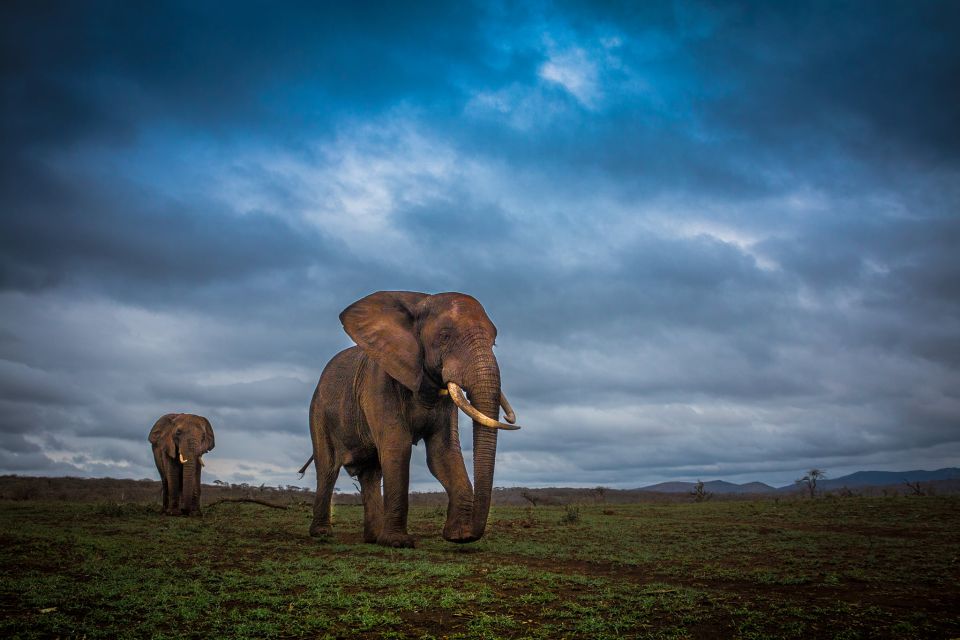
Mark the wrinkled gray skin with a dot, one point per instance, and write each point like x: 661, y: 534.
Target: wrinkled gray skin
x: 375, y: 400
x: 178, y: 436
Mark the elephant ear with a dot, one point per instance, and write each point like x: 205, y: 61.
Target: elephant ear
x: 161, y: 435
x: 207, y: 435
x: 383, y: 325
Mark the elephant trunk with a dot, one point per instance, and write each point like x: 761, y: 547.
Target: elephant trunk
x: 190, y: 458
x: 483, y: 388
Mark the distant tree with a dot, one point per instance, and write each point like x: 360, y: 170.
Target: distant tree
x: 810, y: 479
x: 918, y: 489
x: 526, y: 495
x: 600, y: 494
x: 700, y: 493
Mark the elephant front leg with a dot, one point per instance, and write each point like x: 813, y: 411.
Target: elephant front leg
x: 164, y: 490
x: 171, y: 487
x: 445, y: 462
x: 164, y: 494
x: 176, y: 489
x: 164, y: 468
x: 395, y: 464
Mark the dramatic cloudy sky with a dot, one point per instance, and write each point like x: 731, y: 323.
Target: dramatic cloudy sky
x: 717, y: 242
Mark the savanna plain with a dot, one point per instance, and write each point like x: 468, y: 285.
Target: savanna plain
x: 832, y: 567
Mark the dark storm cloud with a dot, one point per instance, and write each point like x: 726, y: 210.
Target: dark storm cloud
x: 103, y: 69
x: 751, y: 99
x: 889, y: 67
x: 65, y: 230
x: 715, y: 240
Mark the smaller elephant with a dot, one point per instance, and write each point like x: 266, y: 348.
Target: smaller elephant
x: 179, y: 440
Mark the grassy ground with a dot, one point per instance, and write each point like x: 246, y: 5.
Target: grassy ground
x: 829, y: 568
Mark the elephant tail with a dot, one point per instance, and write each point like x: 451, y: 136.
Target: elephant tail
x: 306, y: 464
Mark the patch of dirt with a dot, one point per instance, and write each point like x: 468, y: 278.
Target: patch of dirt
x: 848, y: 529
x: 917, y: 599
x: 433, y: 622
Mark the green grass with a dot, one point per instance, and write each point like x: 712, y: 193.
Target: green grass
x: 842, y: 568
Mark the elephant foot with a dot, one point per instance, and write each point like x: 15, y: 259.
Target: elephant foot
x: 370, y: 537
x: 324, y: 532
x: 459, y: 532
x: 396, y: 540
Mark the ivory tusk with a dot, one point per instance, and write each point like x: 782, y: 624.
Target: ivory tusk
x: 456, y: 394
x: 508, y: 413
x: 183, y: 460
x: 201, y: 462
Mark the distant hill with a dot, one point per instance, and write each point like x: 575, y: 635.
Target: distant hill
x: 119, y: 491
x: 882, y: 479
x: 851, y: 481
x: 714, y: 486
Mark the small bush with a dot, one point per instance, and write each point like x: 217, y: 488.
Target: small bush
x: 571, y: 515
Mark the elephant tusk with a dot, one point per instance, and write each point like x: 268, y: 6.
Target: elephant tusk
x: 508, y: 413
x: 201, y: 462
x: 456, y: 394
x: 183, y: 460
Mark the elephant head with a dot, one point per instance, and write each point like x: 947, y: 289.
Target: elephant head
x: 184, y: 438
x: 436, y: 345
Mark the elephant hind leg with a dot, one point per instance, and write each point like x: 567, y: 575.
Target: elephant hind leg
x: 328, y: 468
x: 372, y: 503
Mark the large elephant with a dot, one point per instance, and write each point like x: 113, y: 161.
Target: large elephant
x: 416, y: 354
x: 179, y: 440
